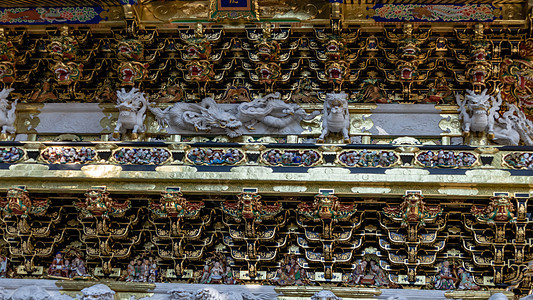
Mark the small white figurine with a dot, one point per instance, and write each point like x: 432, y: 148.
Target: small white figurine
x: 336, y: 116
x: 132, y: 111
x: 478, y: 112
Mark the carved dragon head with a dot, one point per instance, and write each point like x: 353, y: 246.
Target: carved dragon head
x: 215, y: 116
x: 129, y: 100
x: 477, y: 102
x: 336, y: 101
x: 3, y: 97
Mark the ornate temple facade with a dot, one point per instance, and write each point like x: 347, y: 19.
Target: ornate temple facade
x: 320, y: 149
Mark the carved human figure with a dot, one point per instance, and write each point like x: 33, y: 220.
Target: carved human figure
x: 285, y: 275
x: 300, y: 275
x: 444, y: 279
x: 139, y: 271
x: 145, y: 270
x: 380, y: 279
x: 229, y: 277
x: 466, y: 280
x: 132, y: 111
x: 336, y: 116
x: 358, y: 273
x: 7, y: 116
x: 216, y: 273
x: 205, y: 274
x: 3, y: 266
x: 153, y: 272
x: 58, y: 266
x: 130, y: 271
x: 77, y: 267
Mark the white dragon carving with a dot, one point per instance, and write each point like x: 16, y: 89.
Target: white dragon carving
x: 7, y: 116
x: 478, y: 112
x: 210, y: 293
x: 513, y: 127
x: 199, y: 117
x: 325, y: 295
x: 272, y: 112
x: 132, y: 112
x: 336, y: 118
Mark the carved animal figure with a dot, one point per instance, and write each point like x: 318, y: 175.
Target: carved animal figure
x: 478, y: 112
x: 324, y: 295
x: 132, y: 107
x: 7, y: 117
x: 29, y: 292
x: 336, y: 117
x: 272, y: 112
x: 179, y: 294
x: 199, y: 117
x: 498, y: 296
x: 209, y: 294
x: 513, y: 127
x: 98, y: 291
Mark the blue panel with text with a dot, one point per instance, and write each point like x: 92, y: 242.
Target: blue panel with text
x: 233, y: 3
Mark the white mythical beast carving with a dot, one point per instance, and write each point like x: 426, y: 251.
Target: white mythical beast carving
x: 30, y: 292
x: 205, y: 116
x: 325, y: 295
x: 179, y: 294
x: 498, y: 296
x: 208, y: 116
x: 273, y: 112
x: 336, y: 116
x: 513, y: 127
x: 98, y: 291
x: 7, y: 117
x: 209, y: 294
x: 478, y: 112
x: 132, y: 112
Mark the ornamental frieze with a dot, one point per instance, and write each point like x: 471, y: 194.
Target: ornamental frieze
x: 11, y: 155
x: 69, y: 155
x: 446, y: 159
x: 518, y: 160
x: 209, y: 156
x: 278, y: 157
x: 368, y: 158
x: 141, y: 156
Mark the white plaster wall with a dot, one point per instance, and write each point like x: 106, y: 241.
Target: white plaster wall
x: 406, y: 120
x: 81, y: 118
